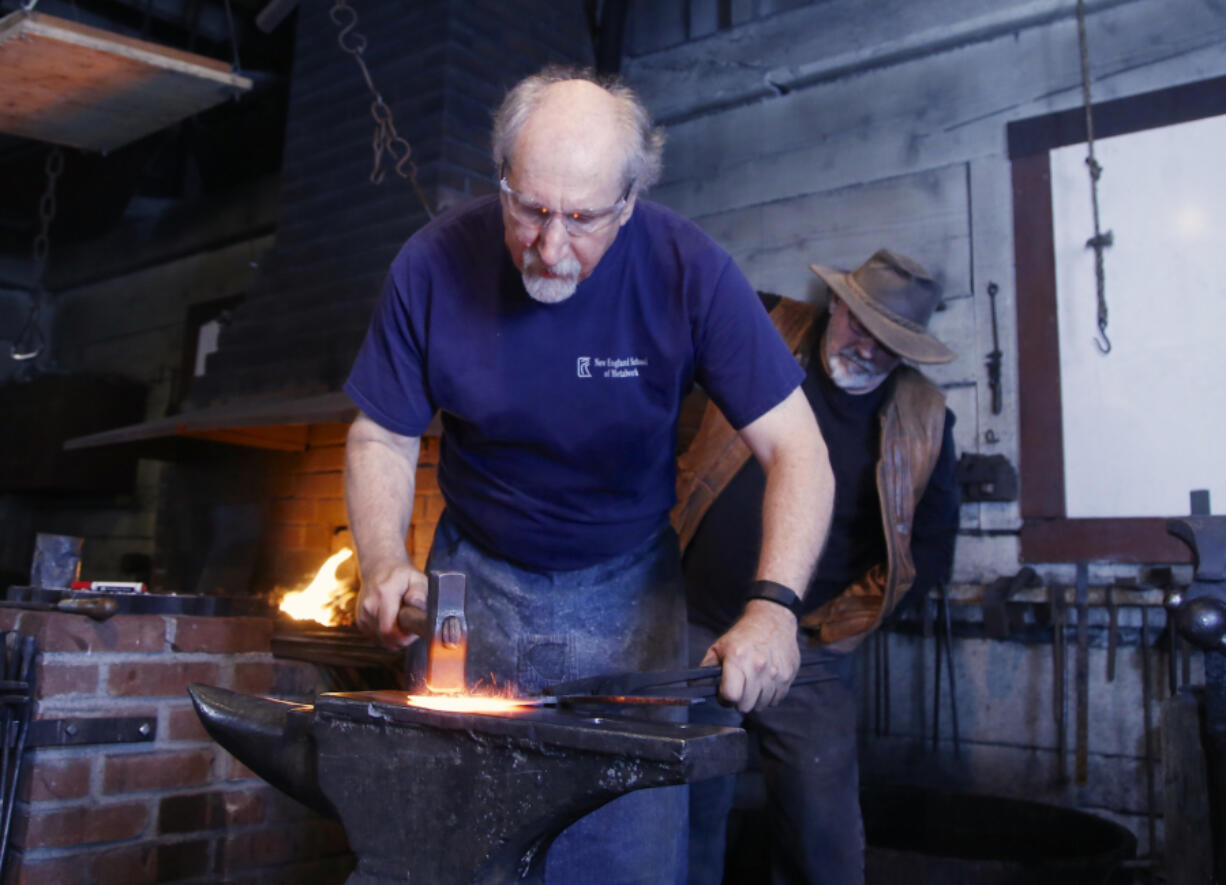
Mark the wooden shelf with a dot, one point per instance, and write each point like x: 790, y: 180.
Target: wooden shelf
x: 70, y: 84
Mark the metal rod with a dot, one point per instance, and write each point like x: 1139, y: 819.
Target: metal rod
x: 27, y: 651
x: 5, y: 720
x: 949, y: 668
x: 1082, y: 676
x: 1059, y: 694
x: 1149, y: 754
x: 885, y: 659
x: 878, y: 687
x: 936, y: 681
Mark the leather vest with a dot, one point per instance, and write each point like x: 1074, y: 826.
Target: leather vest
x: 912, y: 428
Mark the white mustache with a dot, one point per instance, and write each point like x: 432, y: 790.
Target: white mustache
x: 861, y: 364
x: 533, y: 264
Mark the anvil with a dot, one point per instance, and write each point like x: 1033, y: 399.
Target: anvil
x: 456, y: 798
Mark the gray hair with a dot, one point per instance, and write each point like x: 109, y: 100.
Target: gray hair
x: 644, y: 158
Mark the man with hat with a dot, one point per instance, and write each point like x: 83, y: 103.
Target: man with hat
x: 890, y: 441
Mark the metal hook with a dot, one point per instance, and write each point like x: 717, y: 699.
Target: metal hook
x: 1102, y: 331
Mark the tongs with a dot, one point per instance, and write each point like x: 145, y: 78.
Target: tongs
x: 670, y: 687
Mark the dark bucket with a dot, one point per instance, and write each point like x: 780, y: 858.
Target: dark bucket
x: 930, y: 837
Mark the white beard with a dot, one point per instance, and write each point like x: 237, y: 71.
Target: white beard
x: 552, y: 289
x: 850, y: 374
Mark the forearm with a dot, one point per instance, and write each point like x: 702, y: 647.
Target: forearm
x: 759, y: 653
x: 380, y: 479
x: 798, y: 502
x: 796, y: 512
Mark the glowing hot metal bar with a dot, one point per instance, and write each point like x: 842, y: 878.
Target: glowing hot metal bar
x: 470, y: 703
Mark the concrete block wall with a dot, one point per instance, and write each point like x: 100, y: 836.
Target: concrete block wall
x: 177, y: 808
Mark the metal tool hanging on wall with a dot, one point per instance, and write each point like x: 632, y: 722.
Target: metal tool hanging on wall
x: 1101, y: 239
x: 993, y: 358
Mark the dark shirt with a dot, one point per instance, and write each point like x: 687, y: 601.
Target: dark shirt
x: 559, y: 419
x: 722, y: 558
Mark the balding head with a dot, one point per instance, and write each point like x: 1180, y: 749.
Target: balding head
x: 575, y: 136
x: 588, y: 115
x: 576, y: 125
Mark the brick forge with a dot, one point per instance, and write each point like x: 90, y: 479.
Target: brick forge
x: 308, y: 522
x: 174, y: 809
x: 179, y: 808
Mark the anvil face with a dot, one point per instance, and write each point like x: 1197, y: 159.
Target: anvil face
x: 429, y: 796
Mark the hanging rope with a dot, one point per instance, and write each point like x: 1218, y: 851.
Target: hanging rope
x: 1101, y: 240
x: 386, y: 139
x: 29, y: 342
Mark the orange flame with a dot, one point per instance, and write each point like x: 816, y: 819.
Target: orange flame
x: 311, y: 603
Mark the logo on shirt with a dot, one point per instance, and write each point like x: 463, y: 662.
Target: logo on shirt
x: 610, y: 367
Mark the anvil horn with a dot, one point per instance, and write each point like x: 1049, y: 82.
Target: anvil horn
x: 273, y: 738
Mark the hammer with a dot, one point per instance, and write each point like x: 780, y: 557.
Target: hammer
x: 99, y: 608
x: 446, y: 629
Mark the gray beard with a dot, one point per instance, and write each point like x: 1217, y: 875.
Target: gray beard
x: 850, y: 374
x: 549, y: 290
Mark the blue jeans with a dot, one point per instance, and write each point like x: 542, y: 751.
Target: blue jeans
x: 530, y: 629
x: 811, y: 778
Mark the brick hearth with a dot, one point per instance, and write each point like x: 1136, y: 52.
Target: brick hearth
x: 177, y: 808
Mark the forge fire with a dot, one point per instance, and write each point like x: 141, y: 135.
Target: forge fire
x: 326, y: 599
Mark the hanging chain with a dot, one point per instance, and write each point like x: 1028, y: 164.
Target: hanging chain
x: 1101, y: 239
x: 386, y: 139
x: 54, y: 166
x: 29, y: 341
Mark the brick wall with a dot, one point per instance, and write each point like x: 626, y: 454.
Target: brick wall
x: 308, y: 518
x: 175, y: 809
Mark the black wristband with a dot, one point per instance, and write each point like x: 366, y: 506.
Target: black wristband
x: 777, y: 593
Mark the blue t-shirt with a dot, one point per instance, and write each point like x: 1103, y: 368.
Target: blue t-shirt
x: 559, y: 421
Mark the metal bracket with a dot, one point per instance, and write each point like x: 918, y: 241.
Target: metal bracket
x: 96, y: 730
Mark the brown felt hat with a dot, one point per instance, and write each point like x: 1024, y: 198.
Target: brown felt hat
x: 893, y: 297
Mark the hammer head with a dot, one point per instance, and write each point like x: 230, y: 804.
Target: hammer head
x: 447, y: 633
